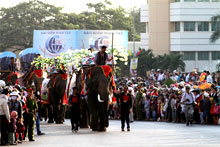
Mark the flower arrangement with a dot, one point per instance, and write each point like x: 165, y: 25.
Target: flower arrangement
x: 78, y: 57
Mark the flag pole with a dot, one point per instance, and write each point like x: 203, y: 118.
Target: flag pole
x: 112, y: 52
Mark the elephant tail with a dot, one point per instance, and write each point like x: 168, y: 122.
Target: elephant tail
x: 99, y: 99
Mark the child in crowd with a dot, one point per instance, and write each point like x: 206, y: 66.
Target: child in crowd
x: 153, y: 107
x: 12, y: 128
x: 20, y: 130
x: 74, y: 101
x: 147, y: 107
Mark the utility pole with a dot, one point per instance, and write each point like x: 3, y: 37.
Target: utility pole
x: 133, y: 33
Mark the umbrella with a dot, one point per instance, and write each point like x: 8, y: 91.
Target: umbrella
x: 204, y: 86
x: 7, y: 54
x: 28, y: 51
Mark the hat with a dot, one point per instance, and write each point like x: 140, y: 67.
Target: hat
x: 14, y: 93
x: 14, y: 114
x: 187, y: 86
x: 2, y: 83
x: 206, y: 94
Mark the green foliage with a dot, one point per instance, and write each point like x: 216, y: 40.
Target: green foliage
x: 147, y: 61
x: 17, y: 23
x: 216, y: 34
x: 169, y: 82
x: 169, y: 62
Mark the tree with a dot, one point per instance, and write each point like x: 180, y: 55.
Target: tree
x: 169, y: 62
x: 146, y: 61
x: 216, y: 24
x: 17, y: 23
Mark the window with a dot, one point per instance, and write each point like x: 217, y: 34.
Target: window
x: 203, y: 55
x: 189, y: 26
x: 177, y: 26
x: 216, y: 26
x: 203, y: 0
x: 177, y: 0
x: 215, y: 55
x: 203, y: 26
x: 189, y: 0
x: 215, y: 0
x: 189, y: 56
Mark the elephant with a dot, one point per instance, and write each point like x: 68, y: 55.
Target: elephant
x: 9, y: 81
x: 57, y: 88
x: 99, y: 89
x: 84, y: 111
x: 32, y: 78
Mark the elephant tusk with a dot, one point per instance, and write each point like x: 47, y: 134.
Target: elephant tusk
x: 99, y: 99
x: 110, y: 98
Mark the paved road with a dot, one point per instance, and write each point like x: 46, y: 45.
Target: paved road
x: 143, y: 134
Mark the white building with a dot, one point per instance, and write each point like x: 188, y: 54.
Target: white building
x: 182, y: 26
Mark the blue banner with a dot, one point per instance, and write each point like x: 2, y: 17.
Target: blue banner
x: 51, y: 43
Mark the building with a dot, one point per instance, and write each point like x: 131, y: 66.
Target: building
x: 182, y: 26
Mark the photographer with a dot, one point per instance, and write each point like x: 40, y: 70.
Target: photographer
x: 188, y: 100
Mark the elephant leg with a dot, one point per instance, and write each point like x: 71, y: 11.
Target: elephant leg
x: 84, y: 120
x: 59, y: 114
x: 103, y: 116
x: 50, y: 113
x: 63, y: 112
x: 94, y: 120
x: 101, y: 121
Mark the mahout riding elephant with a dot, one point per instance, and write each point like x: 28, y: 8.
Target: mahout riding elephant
x: 10, y: 78
x: 57, y: 89
x: 99, y: 87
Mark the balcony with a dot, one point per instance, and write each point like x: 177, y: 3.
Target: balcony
x: 144, y: 40
x: 193, y: 11
x: 144, y: 13
x: 192, y: 41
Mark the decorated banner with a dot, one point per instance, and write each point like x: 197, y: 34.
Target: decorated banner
x: 133, y: 67
x: 97, y: 38
x: 51, y: 43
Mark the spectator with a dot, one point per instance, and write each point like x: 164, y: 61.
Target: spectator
x: 126, y: 105
x: 12, y: 128
x: 74, y: 100
x: 4, y: 116
x: 147, y: 107
x: 187, y: 100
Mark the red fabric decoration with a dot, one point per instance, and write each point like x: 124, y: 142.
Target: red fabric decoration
x: 125, y: 98
x: 64, y: 76
x: 39, y: 73
x: 12, y: 73
x: 74, y: 99
x: 65, y: 101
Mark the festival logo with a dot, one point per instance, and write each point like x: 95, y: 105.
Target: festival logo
x: 99, y: 42
x: 54, y: 44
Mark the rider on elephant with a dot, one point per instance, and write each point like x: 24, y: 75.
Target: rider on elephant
x: 12, y: 66
x: 101, y: 57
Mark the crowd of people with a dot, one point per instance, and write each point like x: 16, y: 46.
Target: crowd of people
x: 181, y: 100
x: 18, y: 114
x: 185, y: 101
